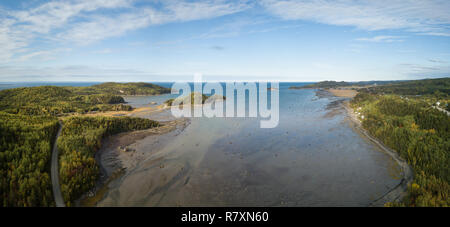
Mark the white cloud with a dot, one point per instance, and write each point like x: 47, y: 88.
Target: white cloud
x: 20, y: 28
x: 439, y: 61
x: 55, y: 14
x: 103, y: 51
x: 187, y: 11
x: 87, y: 21
x: 68, y: 73
x: 243, y: 25
x: 230, y: 29
x: 44, y: 55
x: 11, y: 40
x: 381, y: 38
x: 430, y: 17
x: 101, y: 27
x: 421, y: 70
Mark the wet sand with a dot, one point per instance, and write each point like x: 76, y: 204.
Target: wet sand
x: 163, y: 167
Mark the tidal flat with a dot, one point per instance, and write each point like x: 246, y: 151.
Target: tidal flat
x: 313, y: 158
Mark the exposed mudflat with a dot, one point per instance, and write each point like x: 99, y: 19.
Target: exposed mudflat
x: 313, y: 158
x: 119, y: 154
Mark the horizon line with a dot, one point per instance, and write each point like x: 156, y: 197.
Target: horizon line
x: 213, y: 81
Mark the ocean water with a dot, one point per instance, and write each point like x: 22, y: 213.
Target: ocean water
x: 313, y: 158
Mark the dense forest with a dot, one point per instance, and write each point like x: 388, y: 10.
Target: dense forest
x: 25, y: 151
x: 323, y: 84
x: 52, y: 100
x: 439, y: 88
x: 193, y: 95
x: 80, y: 138
x: 28, y: 127
x: 121, y: 89
x: 403, y: 118
x: 335, y: 84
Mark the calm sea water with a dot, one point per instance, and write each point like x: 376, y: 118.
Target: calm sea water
x: 313, y: 158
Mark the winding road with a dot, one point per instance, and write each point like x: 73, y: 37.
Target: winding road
x: 55, y: 173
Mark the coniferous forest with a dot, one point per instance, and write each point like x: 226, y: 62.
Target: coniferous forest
x: 25, y: 151
x: 29, y: 121
x: 405, y: 117
x: 51, y: 100
x: 80, y: 139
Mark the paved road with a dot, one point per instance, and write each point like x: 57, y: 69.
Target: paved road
x: 55, y: 174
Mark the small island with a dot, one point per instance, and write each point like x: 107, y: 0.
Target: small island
x: 193, y: 96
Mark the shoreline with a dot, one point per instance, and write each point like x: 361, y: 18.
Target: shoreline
x: 400, y: 190
x: 116, y: 154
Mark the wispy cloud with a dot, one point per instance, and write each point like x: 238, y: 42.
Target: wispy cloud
x: 231, y: 28
x: 217, y: 47
x: 424, y: 17
x: 437, y: 61
x: 422, y: 70
x: 102, y: 27
x: 379, y: 39
x: 43, y: 55
x: 55, y: 14
x: 103, y: 51
x: 68, y: 73
x: 242, y: 26
x: 86, y: 21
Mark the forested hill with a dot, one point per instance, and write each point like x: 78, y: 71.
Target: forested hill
x: 415, y: 87
x: 323, y: 84
x: 412, y: 118
x: 335, y: 84
x: 53, y: 100
x: 122, y: 89
x: 28, y: 127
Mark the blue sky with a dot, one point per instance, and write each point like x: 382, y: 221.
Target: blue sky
x: 167, y: 40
